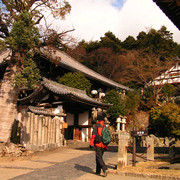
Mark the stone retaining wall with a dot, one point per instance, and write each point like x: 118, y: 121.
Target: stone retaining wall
x: 39, y: 131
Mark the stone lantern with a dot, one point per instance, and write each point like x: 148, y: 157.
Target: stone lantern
x: 123, y: 121
x: 118, y: 121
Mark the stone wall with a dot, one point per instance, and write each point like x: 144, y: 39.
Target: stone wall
x: 142, y: 142
x: 40, y: 131
x: 160, y: 142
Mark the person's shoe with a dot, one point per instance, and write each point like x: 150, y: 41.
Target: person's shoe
x: 105, y: 173
x: 98, y: 174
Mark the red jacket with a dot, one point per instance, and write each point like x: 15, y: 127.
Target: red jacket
x: 97, y: 131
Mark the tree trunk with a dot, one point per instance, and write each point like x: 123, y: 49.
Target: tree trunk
x: 8, y: 104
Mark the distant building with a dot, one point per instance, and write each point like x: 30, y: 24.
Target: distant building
x: 171, y: 76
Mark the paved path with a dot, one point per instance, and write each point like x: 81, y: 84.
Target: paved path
x: 62, y: 164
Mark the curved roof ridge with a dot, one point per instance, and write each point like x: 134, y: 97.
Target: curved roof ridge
x: 53, y: 84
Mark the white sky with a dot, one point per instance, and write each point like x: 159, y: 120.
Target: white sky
x: 91, y: 19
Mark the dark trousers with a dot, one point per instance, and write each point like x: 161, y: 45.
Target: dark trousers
x: 99, y: 160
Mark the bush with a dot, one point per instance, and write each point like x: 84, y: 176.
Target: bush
x: 76, y: 80
x: 132, y: 102
x: 165, y: 120
x: 118, y: 107
x: 168, y: 91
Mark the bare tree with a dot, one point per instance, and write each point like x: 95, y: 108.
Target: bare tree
x: 143, y: 68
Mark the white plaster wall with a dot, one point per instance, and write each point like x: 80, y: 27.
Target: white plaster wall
x: 170, y: 76
x: 84, y: 134
x: 70, y: 119
x: 83, y: 118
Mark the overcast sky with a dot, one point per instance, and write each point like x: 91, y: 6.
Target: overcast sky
x: 92, y: 18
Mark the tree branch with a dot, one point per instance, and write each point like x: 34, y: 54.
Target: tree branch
x: 3, y: 27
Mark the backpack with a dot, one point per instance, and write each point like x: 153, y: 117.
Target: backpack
x: 105, y: 138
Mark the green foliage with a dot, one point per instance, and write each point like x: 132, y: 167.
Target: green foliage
x: 129, y: 43
x: 2, y: 45
x: 158, y: 42
x: 23, y: 35
x: 111, y: 41
x: 91, y: 46
x: 30, y: 75
x: 148, y: 99
x: 108, y: 41
x: 168, y: 90
x: 132, y: 102
x: 118, y: 107
x: 165, y: 120
x: 76, y: 80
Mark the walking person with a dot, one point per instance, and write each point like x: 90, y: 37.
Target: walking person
x: 96, y: 140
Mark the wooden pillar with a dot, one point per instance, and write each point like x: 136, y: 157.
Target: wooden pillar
x: 89, y: 129
x: 76, y: 129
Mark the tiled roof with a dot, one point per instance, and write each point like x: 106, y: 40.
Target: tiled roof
x: 41, y: 111
x: 33, y: 95
x: 70, y: 63
x: 76, y: 94
x: 64, y: 91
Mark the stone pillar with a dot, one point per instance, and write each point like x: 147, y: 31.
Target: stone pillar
x: 54, y: 131
x: 118, y: 121
x: 28, y: 130
x: 57, y: 131
x: 23, y: 117
x: 46, y: 130
x: 172, y: 148
x: 50, y: 126
x: 39, y: 140
x: 43, y: 129
x: 32, y: 128
x: 61, y: 137
x: 122, y: 150
x: 123, y: 121
x: 35, y: 130
x: 150, y: 148
x: 29, y: 142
